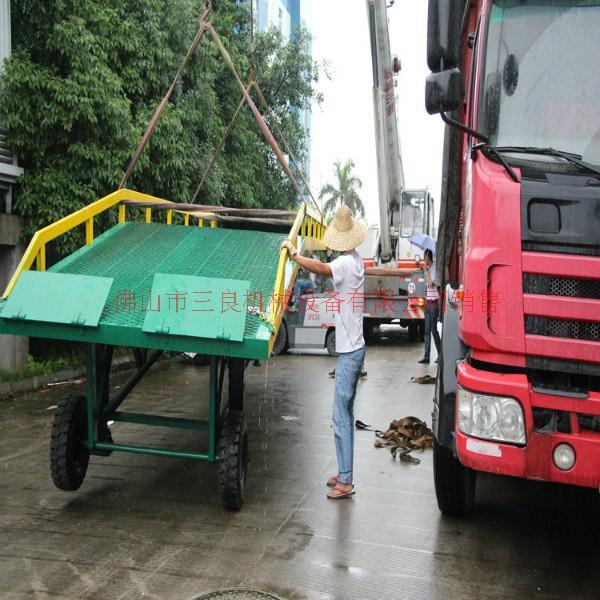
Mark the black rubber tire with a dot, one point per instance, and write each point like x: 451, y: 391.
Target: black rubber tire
x: 413, y: 330
x: 454, y: 483
x: 281, y: 341
x: 369, y: 330
x: 330, y: 343
x: 233, y: 460
x: 69, y: 455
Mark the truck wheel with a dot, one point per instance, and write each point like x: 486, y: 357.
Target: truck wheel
x: 412, y: 331
x: 281, y: 341
x: 454, y: 483
x: 330, y: 343
x: 233, y: 455
x: 69, y: 454
x: 369, y: 330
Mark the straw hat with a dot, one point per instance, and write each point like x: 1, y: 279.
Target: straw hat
x: 344, y: 232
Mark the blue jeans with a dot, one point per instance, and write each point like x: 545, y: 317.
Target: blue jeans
x: 347, y: 371
x: 432, y: 313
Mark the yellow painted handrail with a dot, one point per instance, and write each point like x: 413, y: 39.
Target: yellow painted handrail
x: 36, y: 251
x: 306, y: 225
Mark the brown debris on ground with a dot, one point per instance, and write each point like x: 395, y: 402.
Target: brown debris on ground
x: 404, y: 436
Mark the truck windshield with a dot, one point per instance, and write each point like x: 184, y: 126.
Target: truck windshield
x: 413, y: 213
x: 541, y: 82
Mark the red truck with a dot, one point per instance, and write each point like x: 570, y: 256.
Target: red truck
x: 518, y: 391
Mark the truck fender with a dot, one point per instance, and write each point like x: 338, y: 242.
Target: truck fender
x: 453, y: 350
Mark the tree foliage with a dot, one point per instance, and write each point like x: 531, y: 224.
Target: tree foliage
x: 345, y: 190
x: 86, y: 75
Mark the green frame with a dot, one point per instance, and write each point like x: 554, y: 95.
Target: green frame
x: 102, y: 408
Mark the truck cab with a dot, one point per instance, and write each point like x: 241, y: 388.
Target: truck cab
x: 416, y: 215
x: 519, y: 244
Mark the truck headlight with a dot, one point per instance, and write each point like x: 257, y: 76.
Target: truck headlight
x: 496, y: 418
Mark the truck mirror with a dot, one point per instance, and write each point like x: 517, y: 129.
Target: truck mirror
x: 443, y: 34
x: 443, y: 91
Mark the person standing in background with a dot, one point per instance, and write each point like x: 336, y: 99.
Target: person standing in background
x: 432, y: 309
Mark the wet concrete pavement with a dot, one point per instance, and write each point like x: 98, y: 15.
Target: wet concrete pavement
x: 146, y: 527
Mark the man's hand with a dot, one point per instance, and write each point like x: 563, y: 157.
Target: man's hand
x: 289, y: 247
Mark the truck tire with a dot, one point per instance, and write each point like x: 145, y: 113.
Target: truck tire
x: 413, y: 330
x: 281, y: 341
x: 330, y: 343
x: 454, y: 483
x: 233, y: 456
x: 69, y: 454
x: 369, y: 330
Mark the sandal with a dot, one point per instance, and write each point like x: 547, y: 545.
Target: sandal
x: 339, y: 493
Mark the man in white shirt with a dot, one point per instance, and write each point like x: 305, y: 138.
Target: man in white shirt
x: 344, y: 234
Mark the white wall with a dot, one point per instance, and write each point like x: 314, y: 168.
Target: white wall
x: 4, y: 30
x: 278, y: 16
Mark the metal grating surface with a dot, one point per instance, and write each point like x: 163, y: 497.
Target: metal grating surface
x: 562, y: 328
x: 132, y: 253
x: 548, y: 285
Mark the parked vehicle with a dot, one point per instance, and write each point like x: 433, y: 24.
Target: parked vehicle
x: 518, y: 388
x: 309, y: 323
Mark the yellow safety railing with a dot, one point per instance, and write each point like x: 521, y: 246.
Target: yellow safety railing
x: 306, y: 225
x: 36, y: 251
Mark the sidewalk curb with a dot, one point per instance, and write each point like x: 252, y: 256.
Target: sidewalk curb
x: 29, y: 384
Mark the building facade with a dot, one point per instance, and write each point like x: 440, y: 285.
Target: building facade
x: 13, y: 350
x: 288, y: 16
x: 9, y: 169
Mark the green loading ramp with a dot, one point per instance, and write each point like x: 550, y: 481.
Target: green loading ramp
x: 152, y: 285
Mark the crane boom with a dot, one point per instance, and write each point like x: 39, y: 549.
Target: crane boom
x: 389, y: 158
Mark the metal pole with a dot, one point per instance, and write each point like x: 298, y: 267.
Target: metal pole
x: 220, y: 146
x: 90, y: 367
x: 212, y: 410
x: 259, y: 118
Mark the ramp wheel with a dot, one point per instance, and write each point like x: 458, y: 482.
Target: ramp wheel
x: 233, y: 465
x: 69, y: 455
x: 330, y: 343
x: 454, y: 483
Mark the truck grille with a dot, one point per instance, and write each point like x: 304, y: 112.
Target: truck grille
x: 549, y: 285
x: 562, y: 328
x: 558, y: 248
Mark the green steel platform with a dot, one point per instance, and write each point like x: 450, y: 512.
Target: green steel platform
x: 214, y: 291
x: 157, y: 286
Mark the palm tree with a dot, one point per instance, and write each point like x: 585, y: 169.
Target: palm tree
x: 346, y: 191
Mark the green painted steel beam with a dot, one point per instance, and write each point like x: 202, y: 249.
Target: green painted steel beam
x: 159, y: 421
x: 202, y: 456
x: 131, y: 382
x: 256, y: 348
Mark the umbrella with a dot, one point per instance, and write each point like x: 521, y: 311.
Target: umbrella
x: 423, y: 241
